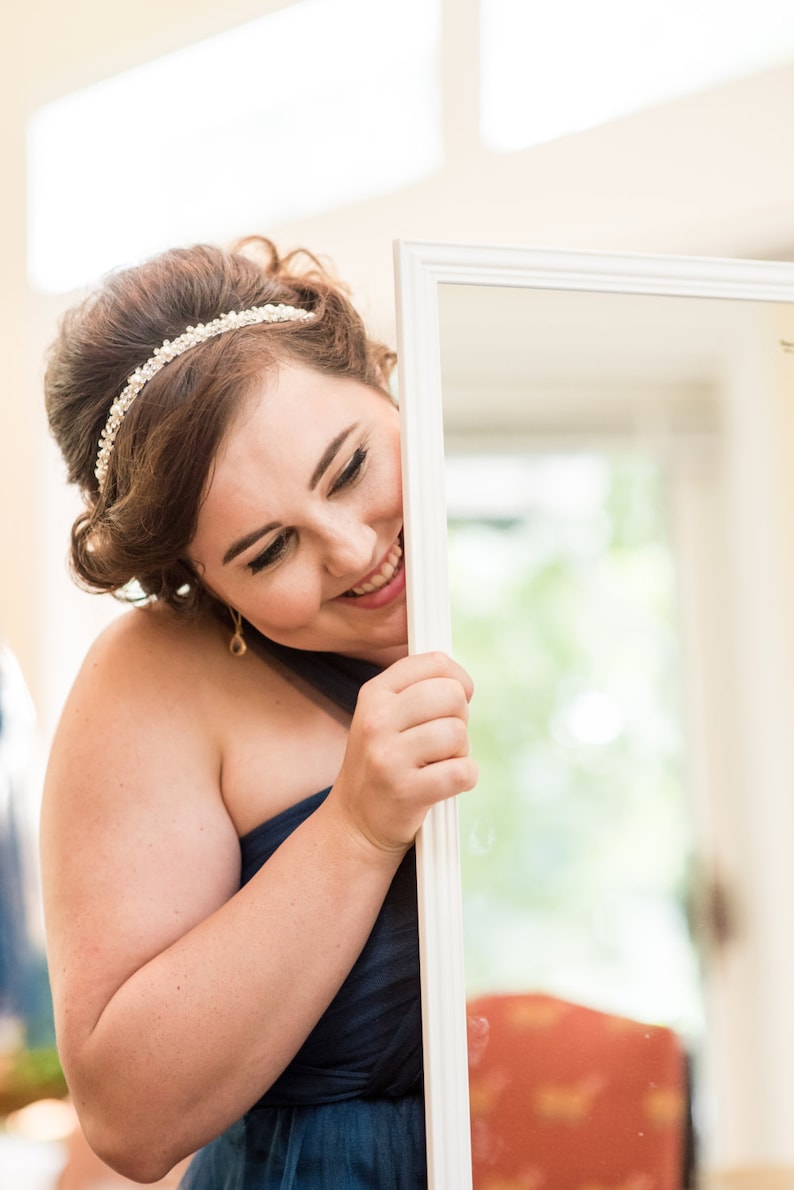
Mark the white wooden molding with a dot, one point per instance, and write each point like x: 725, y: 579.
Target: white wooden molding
x: 420, y: 268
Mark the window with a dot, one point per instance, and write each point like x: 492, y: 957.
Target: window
x: 321, y: 104
x: 577, y: 847
x: 549, y: 70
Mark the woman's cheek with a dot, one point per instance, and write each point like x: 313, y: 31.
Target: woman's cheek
x: 288, y: 604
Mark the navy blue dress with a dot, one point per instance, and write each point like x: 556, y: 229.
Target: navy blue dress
x: 348, y: 1111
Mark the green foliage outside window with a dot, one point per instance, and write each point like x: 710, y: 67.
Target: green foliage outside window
x: 577, y: 843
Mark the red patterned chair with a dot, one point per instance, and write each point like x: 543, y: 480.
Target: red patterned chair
x: 567, y: 1098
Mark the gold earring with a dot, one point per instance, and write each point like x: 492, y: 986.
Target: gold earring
x: 237, y: 645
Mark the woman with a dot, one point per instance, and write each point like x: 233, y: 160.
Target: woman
x: 228, y: 819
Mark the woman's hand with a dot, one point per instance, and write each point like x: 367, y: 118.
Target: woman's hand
x: 408, y: 749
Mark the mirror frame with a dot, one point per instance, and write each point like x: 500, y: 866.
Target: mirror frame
x: 420, y: 268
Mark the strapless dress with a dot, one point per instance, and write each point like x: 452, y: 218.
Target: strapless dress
x: 348, y: 1112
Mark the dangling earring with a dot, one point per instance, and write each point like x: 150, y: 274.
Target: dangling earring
x: 237, y: 645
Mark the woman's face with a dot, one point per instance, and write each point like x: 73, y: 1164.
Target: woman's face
x: 301, y: 529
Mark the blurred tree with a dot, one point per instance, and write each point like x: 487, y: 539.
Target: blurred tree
x: 577, y: 842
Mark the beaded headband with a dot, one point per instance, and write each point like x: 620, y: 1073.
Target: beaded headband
x: 170, y: 349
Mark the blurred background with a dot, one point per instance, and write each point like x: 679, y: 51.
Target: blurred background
x: 339, y: 125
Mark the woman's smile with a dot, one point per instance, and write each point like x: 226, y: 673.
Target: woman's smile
x: 301, y: 526
x: 386, y: 581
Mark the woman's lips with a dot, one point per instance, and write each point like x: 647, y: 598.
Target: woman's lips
x: 381, y: 585
x: 381, y: 576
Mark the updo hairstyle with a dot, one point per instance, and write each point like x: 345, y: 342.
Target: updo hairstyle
x: 131, y: 539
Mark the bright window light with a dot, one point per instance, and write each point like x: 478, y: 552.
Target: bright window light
x: 568, y: 65
x: 319, y: 105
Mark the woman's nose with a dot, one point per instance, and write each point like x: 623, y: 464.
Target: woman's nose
x: 348, y: 548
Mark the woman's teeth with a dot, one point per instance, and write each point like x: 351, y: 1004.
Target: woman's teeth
x: 382, y: 576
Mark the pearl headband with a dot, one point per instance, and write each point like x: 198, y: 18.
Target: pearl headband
x: 170, y: 349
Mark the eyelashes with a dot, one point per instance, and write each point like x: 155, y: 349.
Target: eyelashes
x: 279, y: 546
x: 351, y: 471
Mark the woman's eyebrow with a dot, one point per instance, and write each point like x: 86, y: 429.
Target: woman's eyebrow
x: 244, y: 543
x: 328, y: 456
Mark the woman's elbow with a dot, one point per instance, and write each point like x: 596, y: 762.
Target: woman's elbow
x: 125, y: 1148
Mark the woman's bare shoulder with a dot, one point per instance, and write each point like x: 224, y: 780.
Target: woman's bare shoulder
x: 149, y: 640
x: 159, y: 694
x: 168, y: 651
x: 159, y: 658
x: 143, y: 693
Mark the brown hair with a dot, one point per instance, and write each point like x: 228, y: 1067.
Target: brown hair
x: 136, y: 530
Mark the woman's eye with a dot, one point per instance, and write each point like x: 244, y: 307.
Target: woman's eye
x: 351, y: 471
x: 268, y: 557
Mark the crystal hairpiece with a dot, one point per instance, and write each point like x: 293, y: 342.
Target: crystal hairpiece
x: 170, y: 349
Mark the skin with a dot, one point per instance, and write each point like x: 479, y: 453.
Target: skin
x: 312, y: 536
x: 169, y: 748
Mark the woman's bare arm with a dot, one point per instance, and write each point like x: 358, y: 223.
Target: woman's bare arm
x: 180, y: 997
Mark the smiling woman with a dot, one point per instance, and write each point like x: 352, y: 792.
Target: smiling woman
x: 313, y: 556
x: 227, y: 831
